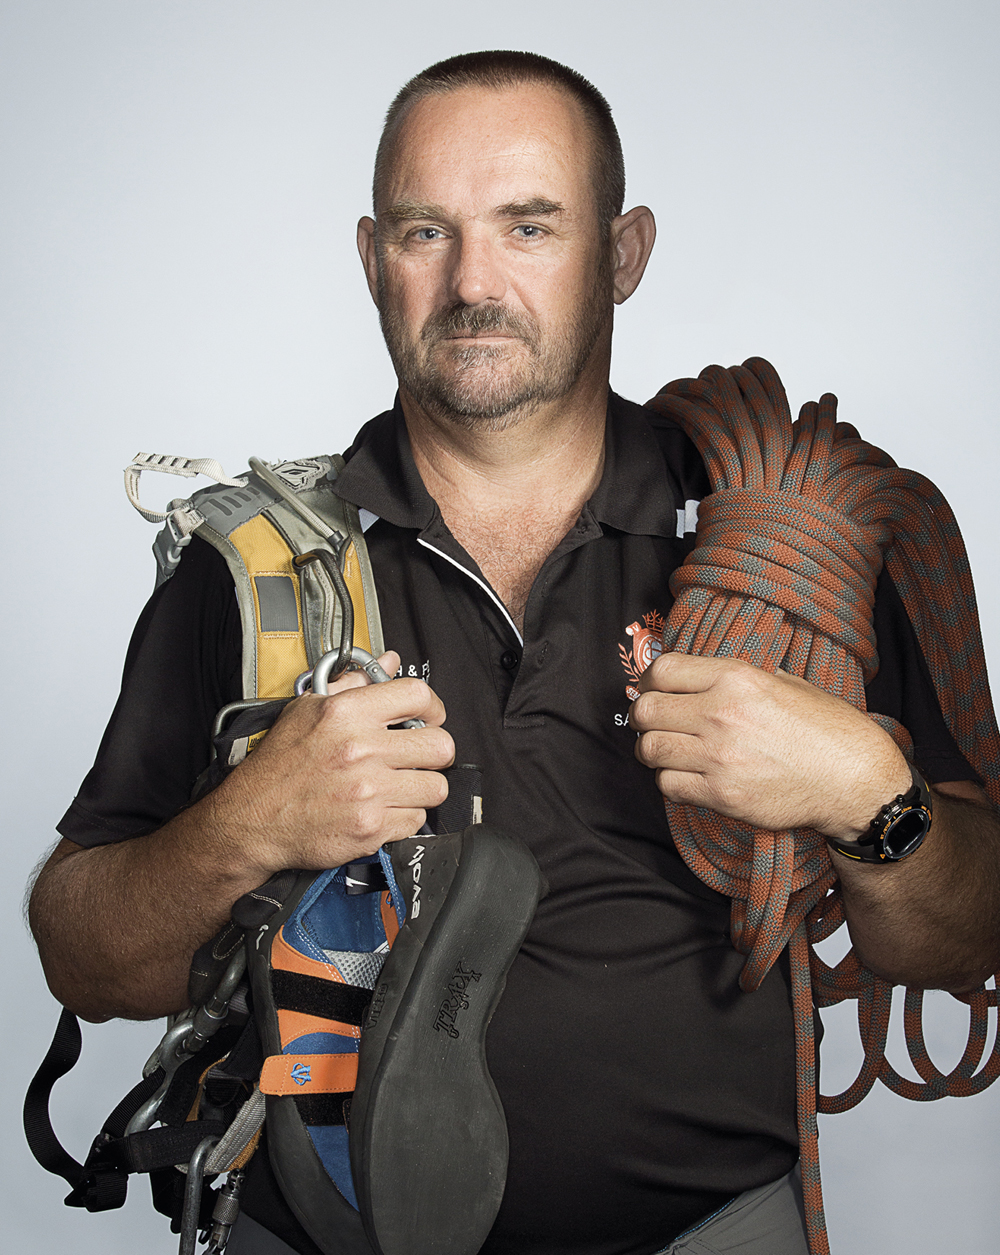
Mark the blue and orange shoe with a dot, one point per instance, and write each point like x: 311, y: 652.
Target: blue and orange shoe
x: 385, y: 1131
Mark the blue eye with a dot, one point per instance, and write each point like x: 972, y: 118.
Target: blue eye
x: 426, y: 234
x: 529, y: 231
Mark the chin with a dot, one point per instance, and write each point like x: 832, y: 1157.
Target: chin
x: 485, y: 391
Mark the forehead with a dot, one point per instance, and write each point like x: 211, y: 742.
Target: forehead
x: 474, y: 147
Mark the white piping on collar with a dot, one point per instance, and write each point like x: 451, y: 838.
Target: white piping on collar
x: 482, y: 584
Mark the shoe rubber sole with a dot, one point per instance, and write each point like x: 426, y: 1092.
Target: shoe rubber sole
x: 428, y: 1133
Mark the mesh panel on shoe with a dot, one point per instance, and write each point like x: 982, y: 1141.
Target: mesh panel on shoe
x: 357, y: 969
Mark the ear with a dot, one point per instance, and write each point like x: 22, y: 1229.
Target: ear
x: 632, y: 237
x: 366, y: 247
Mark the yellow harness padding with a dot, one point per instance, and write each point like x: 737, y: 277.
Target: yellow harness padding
x: 281, y: 655
x: 259, y: 522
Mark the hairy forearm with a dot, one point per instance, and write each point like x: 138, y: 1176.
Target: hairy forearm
x: 933, y: 919
x: 117, y: 925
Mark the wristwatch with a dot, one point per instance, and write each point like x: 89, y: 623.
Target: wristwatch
x: 896, y: 831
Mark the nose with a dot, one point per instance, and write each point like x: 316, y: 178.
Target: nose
x: 478, y: 274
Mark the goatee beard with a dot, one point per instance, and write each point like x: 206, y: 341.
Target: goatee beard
x: 492, y: 386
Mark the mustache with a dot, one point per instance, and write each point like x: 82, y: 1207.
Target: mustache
x: 477, y: 320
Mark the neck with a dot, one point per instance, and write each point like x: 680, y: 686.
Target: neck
x: 559, y: 445
x: 508, y: 497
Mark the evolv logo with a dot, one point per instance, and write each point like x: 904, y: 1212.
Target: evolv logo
x: 416, y: 865
x: 456, y: 1000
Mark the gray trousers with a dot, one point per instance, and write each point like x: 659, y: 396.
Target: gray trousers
x: 765, y: 1221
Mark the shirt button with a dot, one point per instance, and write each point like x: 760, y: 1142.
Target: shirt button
x: 509, y: 659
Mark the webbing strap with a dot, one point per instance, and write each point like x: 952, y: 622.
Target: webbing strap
x: 62, y: 1055
x: 187, y: 519
x: 101, y: 1183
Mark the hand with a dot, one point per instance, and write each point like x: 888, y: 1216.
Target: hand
x: 773, y: 750
x: 332, y: 781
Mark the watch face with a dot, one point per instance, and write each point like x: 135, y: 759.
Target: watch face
x: 905, y: 833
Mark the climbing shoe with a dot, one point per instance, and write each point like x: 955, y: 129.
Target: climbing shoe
x: 428, y: 1135
x: 384, y: 1129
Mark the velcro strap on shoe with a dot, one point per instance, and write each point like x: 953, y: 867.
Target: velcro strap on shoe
x: 323, y: 1109
x: 364, y: 878
x: 309, y: 1074
x: 331, y: 1000
x: 293, y: 1024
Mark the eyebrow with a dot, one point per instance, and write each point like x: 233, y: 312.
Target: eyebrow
x: 417, y: 211
x: 536, y: 207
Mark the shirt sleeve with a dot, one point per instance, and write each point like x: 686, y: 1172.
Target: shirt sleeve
x: 183, y: 664
x: 904, y: 690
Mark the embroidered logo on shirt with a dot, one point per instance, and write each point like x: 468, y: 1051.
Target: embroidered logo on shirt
x: 647, y: 645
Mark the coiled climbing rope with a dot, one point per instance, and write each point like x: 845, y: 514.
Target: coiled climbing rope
x: 788, y: 550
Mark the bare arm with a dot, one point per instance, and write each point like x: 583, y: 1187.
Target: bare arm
x: 778, y: 752
x: 117, y: 925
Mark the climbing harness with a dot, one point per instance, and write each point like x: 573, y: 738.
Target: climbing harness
x: 303, y: 581
x: 789, y: 547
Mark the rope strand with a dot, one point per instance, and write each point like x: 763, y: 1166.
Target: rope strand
x: 789, y: 548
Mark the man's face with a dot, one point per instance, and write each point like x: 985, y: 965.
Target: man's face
x: 494, y: 286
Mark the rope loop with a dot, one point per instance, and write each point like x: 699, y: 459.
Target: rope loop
x: 790, y: 545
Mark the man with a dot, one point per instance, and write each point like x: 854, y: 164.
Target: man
x: 523, y: 520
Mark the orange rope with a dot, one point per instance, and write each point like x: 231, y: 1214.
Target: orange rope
x: 789, y: 547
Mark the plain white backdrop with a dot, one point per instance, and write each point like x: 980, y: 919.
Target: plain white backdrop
x: 181, y: 182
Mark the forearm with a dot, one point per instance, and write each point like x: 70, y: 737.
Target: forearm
x: 933, y: 919
x: 332, y: 781
x: 117, y: 925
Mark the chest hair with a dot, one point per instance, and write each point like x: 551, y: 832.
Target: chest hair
x: 511, y: 548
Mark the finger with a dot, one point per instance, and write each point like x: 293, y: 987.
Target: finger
x: 669, y: 712
x: 415, y: 790
x: 671, y: 750
x: 688, y: 788
x: 402, y: 824
x: 685, y: 673
x: 390, y: 702
x: 406, y: 749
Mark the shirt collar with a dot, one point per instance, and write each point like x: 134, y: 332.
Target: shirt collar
x: 636, y: 493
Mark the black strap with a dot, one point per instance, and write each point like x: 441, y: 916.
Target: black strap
x: 161, y: 1147
x: 101, y: 1183
x: 294, y: 991
x: 364, y: 878
x: 61, y: 1057
x: 327, y: 1109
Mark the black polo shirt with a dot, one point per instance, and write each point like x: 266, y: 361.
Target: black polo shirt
x: 642, y: 1089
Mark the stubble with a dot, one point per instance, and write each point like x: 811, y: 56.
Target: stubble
x: 494, y: 386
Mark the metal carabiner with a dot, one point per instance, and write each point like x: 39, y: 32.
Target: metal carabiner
x: 361, y: 660
x: 185, y: 1037
x: 193, y: 1188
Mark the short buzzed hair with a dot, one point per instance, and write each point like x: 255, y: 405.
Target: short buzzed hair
x: 499, y: 70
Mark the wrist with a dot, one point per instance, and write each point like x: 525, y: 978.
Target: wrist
x: 896, y: 830
x: 866, y: 800
x: 240, y: 847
